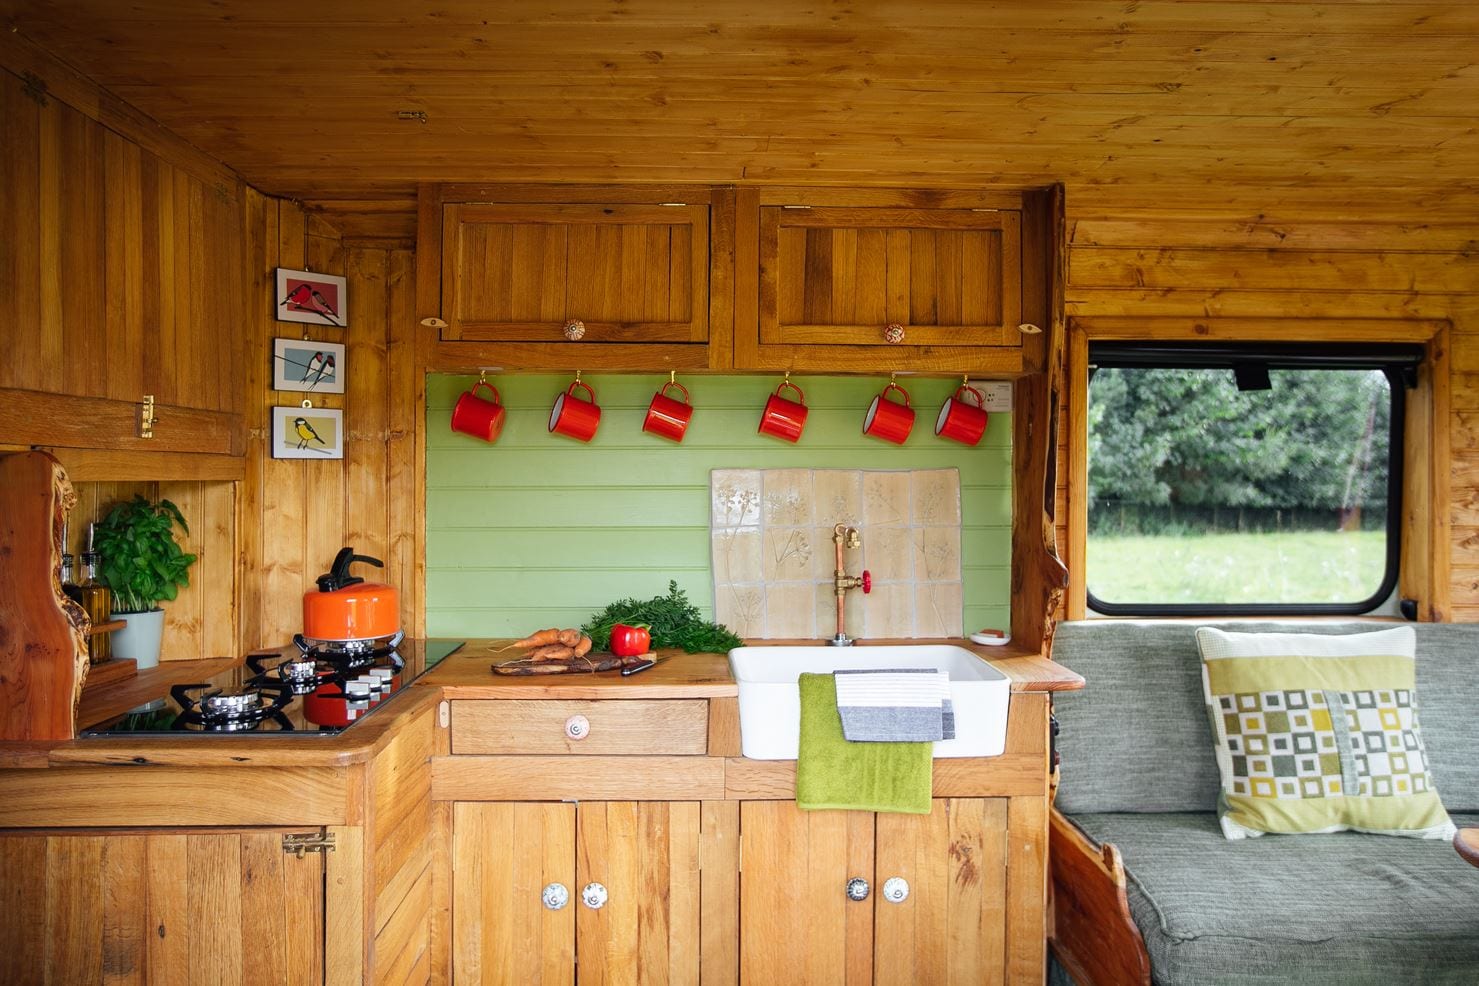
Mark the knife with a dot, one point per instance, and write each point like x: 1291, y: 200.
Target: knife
x: 643, y: 666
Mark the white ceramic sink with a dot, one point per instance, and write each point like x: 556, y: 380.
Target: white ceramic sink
x: 770, y: 702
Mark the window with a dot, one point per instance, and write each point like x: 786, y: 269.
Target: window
x: 1244, y: 480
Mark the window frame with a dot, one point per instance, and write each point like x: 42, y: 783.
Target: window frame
x: 1398, y: 362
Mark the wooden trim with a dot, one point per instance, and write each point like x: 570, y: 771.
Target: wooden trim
x: 539, y: 357
x: 724, y: 727
x: 34, y: 417
x: 1092, y: 932
x: 556, y: 778
x: 345, y: 920
x: 149, y: 796
x: 576, y: 194
x: 92, y: 465
x: 1438, y: 507
x: 722, y: 244
x: 857, y: 197
x: 1274, y: 329
x: 1077, y: 500
x: 747, y: 278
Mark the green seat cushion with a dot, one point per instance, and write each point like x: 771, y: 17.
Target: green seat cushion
x: 1345, y: 909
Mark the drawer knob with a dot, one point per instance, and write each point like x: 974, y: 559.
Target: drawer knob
x: 893, y: 333
x: 555, y: 896
x: 895, y: 889
x: 577, y: 727
x: 575, y: 330
x: 857, y: 889
x: 594, y: 896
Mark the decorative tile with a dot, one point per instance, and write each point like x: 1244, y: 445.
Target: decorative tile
x: 837, y: 497
x: 790, y: 611
x: 737, y: 556
x: 889, y: 610
x: 786, y: 554
x: 885, y: 498
x: 742, y: 609
x: 936, y: 554
x: 734, y: 498
x: 888, y: 552
x: 786, y: 497
x: 935, y: 496
x: 937, y: 610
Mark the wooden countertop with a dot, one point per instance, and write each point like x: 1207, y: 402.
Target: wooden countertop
x: 468, y: 674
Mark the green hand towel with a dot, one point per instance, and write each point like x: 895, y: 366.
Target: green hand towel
x: 833, y: 773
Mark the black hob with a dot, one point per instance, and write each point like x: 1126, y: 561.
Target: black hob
x: 311, y: 689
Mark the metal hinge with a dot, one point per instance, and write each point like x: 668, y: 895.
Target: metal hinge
x: 35, y: 88
x: 311, y: 842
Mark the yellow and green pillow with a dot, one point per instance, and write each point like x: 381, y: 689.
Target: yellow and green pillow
x: 1319, y: 733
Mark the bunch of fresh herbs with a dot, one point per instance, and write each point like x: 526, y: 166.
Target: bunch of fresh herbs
x: 142, y: 561
x: 675, y: 622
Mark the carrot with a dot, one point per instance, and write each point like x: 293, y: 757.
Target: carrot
x: 538, y: 639
x: 570, y: 637
x: 583, y: 646
x: 552, y: 652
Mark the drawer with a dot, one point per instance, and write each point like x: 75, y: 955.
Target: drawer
x: 539, y: 726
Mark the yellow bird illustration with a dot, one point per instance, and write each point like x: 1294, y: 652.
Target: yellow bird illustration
x: 306, y: 433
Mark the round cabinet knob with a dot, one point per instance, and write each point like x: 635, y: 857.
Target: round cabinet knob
x: 594, y: 896
x: 555, y: 896
x: 575, y: 330
x: 893, y: 333
x: 895, y: 889
x: 857, y: 889
x: 577, y: 727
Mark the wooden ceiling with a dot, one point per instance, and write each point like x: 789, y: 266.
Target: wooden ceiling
x: 1338, y: 108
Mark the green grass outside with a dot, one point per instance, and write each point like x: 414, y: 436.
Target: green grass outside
x: 1295, y: 567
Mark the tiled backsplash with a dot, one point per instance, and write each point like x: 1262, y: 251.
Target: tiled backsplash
x: 774, y: 557
x: 538, y: 530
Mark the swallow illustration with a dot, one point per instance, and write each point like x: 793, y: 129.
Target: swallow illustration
x: 314, y: 368
x: 306, y: 433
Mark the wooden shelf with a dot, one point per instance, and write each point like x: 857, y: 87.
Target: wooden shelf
x: 107, y: 627
x: 115, y: 698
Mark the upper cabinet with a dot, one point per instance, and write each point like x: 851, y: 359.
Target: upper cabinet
x: 558, y: 277
x: 878, y: 279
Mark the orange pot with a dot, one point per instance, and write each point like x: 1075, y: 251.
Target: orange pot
x: 346, y: 607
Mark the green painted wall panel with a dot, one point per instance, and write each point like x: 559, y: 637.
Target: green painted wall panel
x: 538, y: 530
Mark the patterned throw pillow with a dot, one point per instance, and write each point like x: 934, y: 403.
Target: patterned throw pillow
x: 1319, y: 733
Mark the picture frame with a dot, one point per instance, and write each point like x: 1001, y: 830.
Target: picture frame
x: 308, y: 366
x: 306, y: 296
x: 307, y: 432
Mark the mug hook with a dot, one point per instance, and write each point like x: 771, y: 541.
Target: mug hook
x: 307, y: 403
x: 787, y: 379
x: 672, y: 376
x: 482, y: 376
x: 577, y: 376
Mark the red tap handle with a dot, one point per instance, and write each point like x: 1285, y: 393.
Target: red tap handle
x: 867, y: 582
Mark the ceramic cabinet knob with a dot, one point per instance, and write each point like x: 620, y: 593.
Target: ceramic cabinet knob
x: 895, y: 889
x: 577, y: 727
x: 555, y: 896
x: 893, y: 333
x: 575, y: 330
x: 594, y: 896
x: 857, y: 889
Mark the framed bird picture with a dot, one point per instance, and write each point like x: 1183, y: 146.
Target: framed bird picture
x: 318, y: 299
x: 308, y: 366
x: 307, y: 433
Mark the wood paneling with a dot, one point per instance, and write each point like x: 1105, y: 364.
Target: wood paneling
x: 219, y: 907
x: 1342, y: 107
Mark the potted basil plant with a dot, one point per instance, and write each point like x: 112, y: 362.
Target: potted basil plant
x: 143, y: 566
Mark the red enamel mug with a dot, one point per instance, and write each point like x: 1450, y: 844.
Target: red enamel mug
x: 576, y: 417
x: 668, y: 417
x: 889, y: 420
x: 962, y: 421
x: 479, y: 416
x: 784, y: 418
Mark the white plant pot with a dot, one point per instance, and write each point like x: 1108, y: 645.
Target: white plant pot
x: 141, y: 638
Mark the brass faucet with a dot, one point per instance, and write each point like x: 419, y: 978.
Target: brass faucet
x: 844, y: 536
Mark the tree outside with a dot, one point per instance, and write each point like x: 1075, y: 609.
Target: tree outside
x: 1199, y: 492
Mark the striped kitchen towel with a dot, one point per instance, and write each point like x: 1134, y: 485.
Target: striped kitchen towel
x: 895, y: 705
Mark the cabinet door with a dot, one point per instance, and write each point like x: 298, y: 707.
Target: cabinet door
x: 842, y: 276
x: 646, y: 856
x: 797, y: 924
x: 503, y: 856
x: 951, y: 928
x: 218, y: 907
x: 629, y: 273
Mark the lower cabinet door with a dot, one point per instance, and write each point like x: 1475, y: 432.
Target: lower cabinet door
x: 797, y: 922
x: 504, y: 858
x: 159, y: 907
x: 637, y: 908
x: 943, y: 918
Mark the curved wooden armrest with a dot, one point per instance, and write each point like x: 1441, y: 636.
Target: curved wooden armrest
x: 1467, y: 844
x: 1094, y: 936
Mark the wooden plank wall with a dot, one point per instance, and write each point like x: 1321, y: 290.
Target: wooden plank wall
x: 296, y: 514
x: 1236, y: 264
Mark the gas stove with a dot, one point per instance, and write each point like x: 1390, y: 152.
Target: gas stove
x: 313, y: 689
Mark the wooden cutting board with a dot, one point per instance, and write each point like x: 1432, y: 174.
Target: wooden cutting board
x: 43, y: 634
